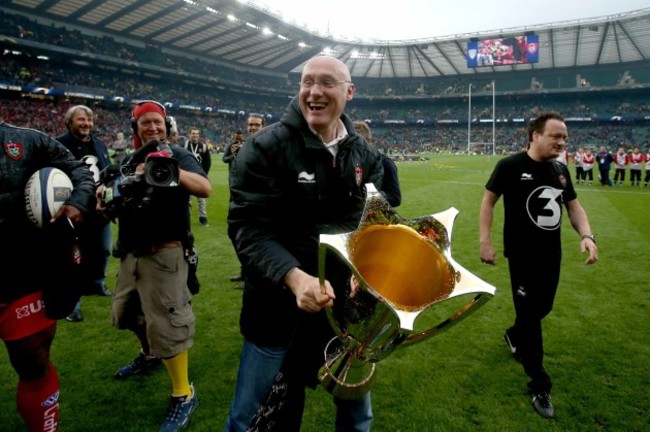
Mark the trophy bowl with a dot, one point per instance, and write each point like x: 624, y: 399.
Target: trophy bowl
x: 398, y: 269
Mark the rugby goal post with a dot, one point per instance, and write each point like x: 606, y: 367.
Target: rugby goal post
x: 469, y: 122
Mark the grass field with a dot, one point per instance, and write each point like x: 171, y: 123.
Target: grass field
x: 597, y: 338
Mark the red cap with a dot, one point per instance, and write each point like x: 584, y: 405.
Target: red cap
x: 139, y: 110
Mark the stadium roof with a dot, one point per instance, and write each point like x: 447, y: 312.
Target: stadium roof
x: 249, y: 36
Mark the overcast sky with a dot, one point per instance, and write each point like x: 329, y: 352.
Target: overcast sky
x: 419, y: 19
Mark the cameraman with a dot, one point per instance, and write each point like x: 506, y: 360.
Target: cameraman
x: 151, y: 296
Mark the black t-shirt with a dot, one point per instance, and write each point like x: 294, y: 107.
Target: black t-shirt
x: 201, y: 153
x: 533, y: 195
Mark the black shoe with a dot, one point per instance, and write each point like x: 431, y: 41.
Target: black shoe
x: 103, y: 291
x: 513, y: 348
x: 543, y: 405
x: 240, y: 286
x: 203, y: 221
x: 140, y: 365
x: 75, y: 316
x: 237, y: 278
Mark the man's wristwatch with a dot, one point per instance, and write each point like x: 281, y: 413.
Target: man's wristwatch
x: 590, y: 237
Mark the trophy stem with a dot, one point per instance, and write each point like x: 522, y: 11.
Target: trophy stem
x: 343, y: 375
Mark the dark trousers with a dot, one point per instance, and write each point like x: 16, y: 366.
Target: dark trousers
x: 580, y: 174
x: 534, y: 284
x: 604, y: 177
x: 619, y: 175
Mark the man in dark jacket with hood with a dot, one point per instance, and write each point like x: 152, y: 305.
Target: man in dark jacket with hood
x: 291, y: 182
x: 96, y: 234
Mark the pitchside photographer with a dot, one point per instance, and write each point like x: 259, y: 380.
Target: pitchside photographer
x: 151, y: 297
x: 201, y: 152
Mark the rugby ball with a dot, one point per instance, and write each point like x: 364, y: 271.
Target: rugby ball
x: 45, y: 192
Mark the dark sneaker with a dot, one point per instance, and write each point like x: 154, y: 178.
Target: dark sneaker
x: 75, y: 316
x: 140, y: 365
x: 203, y: 221
x: 236, y: 278
x: 179, y: 412
x: 543, y: 405
x: 513, y: 348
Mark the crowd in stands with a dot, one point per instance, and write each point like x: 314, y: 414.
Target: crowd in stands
x: 218, y: 129
x: 171, y: 62
x: 507, y: 138
x: 21, y: 27
x: 23, y: 70
x: 422, y: 131
x: 47, y: 116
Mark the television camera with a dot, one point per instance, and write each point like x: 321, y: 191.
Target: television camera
x: 124, y: 188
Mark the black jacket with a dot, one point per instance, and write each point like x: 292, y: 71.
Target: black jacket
x: 26, y: 251
x: 80, y: 149
x: 228, y: 156
x: 286, y: 190
x: 390, y: 185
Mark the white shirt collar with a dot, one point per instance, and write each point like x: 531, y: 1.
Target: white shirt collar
x: 333, y: 146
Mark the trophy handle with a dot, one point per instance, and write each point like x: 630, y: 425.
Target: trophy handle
x: 335, y: 243
x: 455, y: 318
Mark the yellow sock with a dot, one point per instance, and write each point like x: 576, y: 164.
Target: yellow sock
x: 177, y: 369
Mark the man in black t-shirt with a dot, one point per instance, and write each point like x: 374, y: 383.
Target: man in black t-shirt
x: 535, y: 187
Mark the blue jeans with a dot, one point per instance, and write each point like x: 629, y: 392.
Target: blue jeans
x: 106, y: 237
x: 106, y: 242
x: 258, y: 368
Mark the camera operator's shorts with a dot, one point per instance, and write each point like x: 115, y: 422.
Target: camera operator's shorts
x: 152, y: 287
x: 23, y: 317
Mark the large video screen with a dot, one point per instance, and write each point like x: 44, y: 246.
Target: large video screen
x: 503, y: 51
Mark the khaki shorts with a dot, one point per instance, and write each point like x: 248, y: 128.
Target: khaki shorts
x: 153, y: 289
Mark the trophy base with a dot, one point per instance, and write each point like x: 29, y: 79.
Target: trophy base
x: 343, y: 375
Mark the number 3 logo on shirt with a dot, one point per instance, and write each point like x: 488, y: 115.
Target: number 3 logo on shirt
x: 543, y: 208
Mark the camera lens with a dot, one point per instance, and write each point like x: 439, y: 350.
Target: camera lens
x: 161, y: 173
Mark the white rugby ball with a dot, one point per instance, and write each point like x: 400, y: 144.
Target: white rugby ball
x: 45, y: 192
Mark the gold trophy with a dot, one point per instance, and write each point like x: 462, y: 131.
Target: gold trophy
x: 399, y: 269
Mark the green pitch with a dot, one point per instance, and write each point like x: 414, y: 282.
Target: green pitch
x: 597, y: 338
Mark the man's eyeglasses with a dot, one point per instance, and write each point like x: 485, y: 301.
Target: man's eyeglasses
x: 327, y: 83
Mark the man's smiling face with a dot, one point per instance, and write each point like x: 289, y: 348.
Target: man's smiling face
x: 151, y: 126
x: 320, y: 105
x: 81, y: 124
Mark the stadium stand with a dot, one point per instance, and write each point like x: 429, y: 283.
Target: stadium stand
x: 45, y: 68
